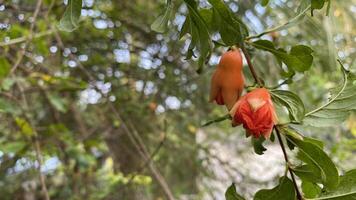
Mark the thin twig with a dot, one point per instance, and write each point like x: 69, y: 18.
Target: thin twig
x: 299, y: 196
x: 25, y: 38
x: 23, y: 50
x: 249, y: 63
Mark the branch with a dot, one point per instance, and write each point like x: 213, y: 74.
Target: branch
x: 252, y: 69
x: 23, y: 50
x: 299, y: 196
x: 25, y: 38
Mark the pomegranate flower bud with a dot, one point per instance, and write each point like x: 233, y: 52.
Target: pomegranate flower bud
x: 227, y: 82
x: 255, y: 111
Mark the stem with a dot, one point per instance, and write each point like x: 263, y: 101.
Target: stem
x: 252, y: 69
x: 299, y: 196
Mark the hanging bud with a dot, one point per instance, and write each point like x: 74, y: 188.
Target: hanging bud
x: 227, y: 82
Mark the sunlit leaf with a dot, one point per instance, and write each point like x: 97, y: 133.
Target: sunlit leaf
x: 310, y: 189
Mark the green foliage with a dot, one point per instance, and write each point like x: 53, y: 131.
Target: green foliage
x: 232, y: 30
x: 310, y: 190
x: 346, y: 189
x: 257, y: 145
x: 160, y: 25
x: 298, y: 59
x: 283, y: 191
x: 318, y: 162
x: 231, y: 193
x: 292, y: 102
x: 200, y: 36
x: 339, y: 106
x: 4, y: 67
x: 70, y: 19
x: 264, y: 2
x: 316, y: 4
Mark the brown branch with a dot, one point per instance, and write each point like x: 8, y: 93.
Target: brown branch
x: 249, y: 63
x: 299, y: 196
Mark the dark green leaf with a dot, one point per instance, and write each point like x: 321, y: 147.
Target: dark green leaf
x: 199, y: 32
x: 283, y: 191
x: 231, y: 29
x: 264, y: 2
x: 257, y: 145
x: 299, y: 58
x: 160, y: 25
x: 292, y: 102
x: 231, y: 193
x: 70, y: 19
x: 310, y: 189
x: 318, y: 162
x: 316, y: 4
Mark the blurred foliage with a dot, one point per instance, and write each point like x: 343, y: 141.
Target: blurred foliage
x: 61, y: 97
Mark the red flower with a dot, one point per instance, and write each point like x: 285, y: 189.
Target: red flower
x: 227, y: 82
x: 256, y: 112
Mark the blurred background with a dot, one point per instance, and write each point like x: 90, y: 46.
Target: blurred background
x: 114, y: 111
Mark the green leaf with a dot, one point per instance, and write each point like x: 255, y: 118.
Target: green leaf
x: 231, y: 28
x: 24, y: 126
x: 306, y: 173
x: 160, y: 25
x: 9, y: 107
x: 346, y: 189
x: 257, y: 145
x: 231, y: 193
x: 4, y: 67
x: 318, y: 162
x: 310, y: 189
x: 316, y: 4
x: 339, y: 106
x: 292, y: 102
x: 199, y: 31
x: 57, y: 102
x: 283, y: 191
x: 299, y: 58
x: 70, y: 19
x: 264, y: 2
x: 12, y: 147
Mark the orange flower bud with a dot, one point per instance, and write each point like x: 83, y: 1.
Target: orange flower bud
x: 255, y: 111
x: 227, y: 82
